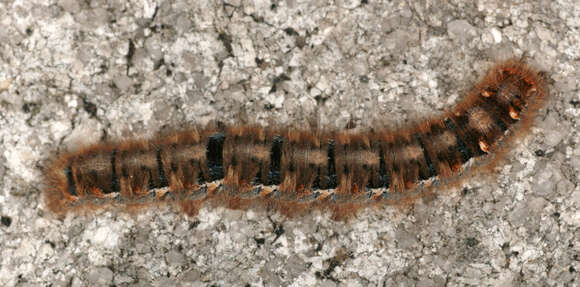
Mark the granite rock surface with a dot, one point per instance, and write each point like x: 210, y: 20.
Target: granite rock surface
x: 77, y: 72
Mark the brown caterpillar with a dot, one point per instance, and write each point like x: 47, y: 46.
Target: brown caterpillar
x: 294, y: 170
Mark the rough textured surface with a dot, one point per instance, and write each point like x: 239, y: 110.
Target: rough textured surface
x: 73, y: 72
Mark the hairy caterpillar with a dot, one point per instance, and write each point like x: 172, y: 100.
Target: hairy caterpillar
x: 296, y: 170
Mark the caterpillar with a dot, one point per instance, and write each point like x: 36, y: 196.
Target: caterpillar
x: 297, y: 170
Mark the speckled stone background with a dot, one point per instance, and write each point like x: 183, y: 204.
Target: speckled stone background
x: 75, y: 72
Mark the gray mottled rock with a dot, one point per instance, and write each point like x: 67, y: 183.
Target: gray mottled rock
x: 75, y: 72
x: 100, y: 276
x: 460, y: 29
x: 174, y: 257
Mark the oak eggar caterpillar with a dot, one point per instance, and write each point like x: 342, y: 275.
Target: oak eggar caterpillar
x: 297, y: 170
